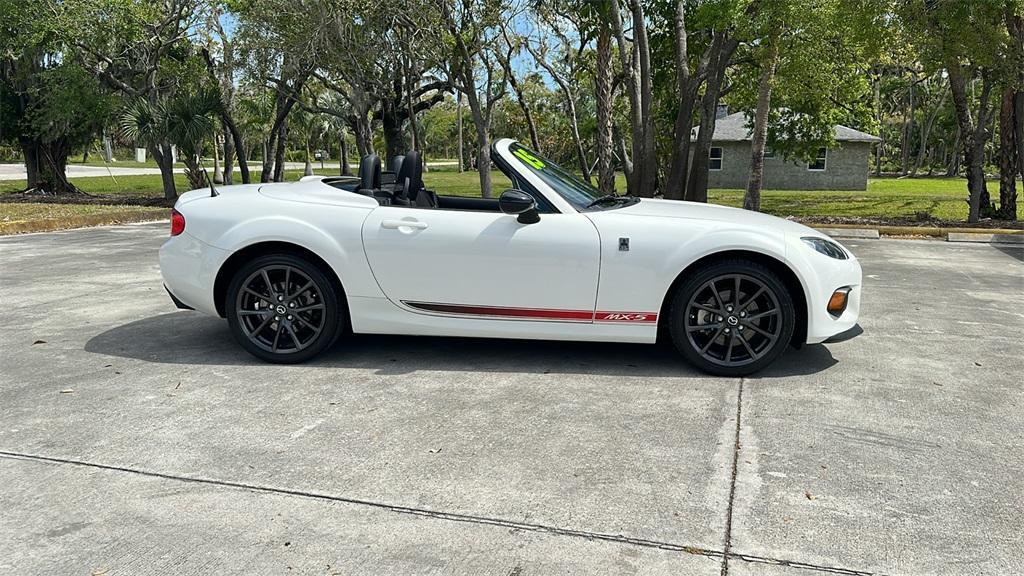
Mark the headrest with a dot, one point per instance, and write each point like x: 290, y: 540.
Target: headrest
x: 369, y: 172
x: 396, y: 163
x: 412, y: 169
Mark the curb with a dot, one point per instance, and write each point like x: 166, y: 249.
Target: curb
x: 1005, y: 236
x: 1011, y: 239
x: 852, y: 233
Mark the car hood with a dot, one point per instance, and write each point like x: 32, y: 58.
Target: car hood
x: 656, y: 208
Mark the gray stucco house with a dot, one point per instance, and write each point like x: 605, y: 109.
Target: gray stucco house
x: 844, y: 167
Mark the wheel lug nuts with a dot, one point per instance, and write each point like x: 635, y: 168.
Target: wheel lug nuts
x: 279, y: 298
x: 291, y: 304
x: 277, y: 317
x: 728, y: 308
x: 741, y: 328
x: 743, y: 314
x: 726, y: 330
x: 289, y: 316
x: 720, y: 318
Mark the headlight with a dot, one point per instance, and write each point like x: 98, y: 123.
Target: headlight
x: 826, y: 247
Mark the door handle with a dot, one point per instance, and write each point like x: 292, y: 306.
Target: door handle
x: 396, y: 224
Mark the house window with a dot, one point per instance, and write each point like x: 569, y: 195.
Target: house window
x: 818, y: 165
x: 715, y: 156
x: 769, y: 152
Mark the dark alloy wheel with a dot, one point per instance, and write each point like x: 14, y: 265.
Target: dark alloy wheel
x: 283, y: 308
x: 733, y: 318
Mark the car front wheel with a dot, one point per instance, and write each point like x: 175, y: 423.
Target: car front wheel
x: 283, y: 308
x: 732, y: 318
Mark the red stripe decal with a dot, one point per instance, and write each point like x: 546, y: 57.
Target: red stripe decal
x: 535, y: 313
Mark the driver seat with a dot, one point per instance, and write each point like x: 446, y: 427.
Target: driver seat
x: 370, y: 180
x: 409, y: 189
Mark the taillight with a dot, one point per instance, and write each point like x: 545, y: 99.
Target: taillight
x: 177, y: 223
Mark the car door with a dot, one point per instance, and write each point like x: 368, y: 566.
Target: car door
x: 484, y: 265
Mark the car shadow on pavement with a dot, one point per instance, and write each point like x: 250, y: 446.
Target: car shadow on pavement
x: 1014, y: 251
x: 192, y: 338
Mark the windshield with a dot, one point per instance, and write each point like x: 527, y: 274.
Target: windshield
x: 569, y: 186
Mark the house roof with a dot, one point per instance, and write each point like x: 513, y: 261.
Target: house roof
x: 733, y: 128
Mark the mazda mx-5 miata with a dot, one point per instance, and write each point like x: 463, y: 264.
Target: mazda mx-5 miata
x: 294, y: 266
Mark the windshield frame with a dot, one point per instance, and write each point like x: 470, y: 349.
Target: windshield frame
x: 569, y: 188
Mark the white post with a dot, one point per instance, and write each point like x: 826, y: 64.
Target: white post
x: 140, y: 155
x: 108, y: 152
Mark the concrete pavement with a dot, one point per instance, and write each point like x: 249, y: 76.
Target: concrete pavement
x: 135, y: 439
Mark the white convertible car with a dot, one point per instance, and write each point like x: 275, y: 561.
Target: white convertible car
x: 293, y: 266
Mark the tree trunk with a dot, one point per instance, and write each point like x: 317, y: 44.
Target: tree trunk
x: 343, y: 168
x: 227, y: 93
x: 1008, y: 156
x: 697, y: 184
x: 973, y: 135
x: 307, y: 169
x: 229, y: 155
x: 46, y: 166
x: 605, y: 101
x: 218, y: 176
x: 648, y: 180
x: 517, y: 88
x: 279, y: 157
x: 411, y: 110
x: 953, y: 168
x: 394, y: 136
x: 638, y: 86
x: 30, y: 151
x: 908, y: 129
x: 620, y: 145
x: 462, y: 155
x: 162, y: 154
x: 483, y: 146
x: 239, y: 142
x: 194, y: 172
x: 362, y: 130
x: 752, y: 198
x: 878, y: 118
x: 675, y: 187
x: 926, y: 130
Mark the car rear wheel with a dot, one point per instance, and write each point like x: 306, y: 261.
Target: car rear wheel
x: 284, y: 309
x: 732, y: 318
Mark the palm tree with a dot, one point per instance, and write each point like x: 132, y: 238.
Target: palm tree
x: 186, y: 121
x: 190, y: 122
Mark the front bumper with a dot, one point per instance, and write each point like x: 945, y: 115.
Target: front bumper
x: 846, y: 335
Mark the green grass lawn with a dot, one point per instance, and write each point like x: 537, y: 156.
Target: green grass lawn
x: 942, y: 198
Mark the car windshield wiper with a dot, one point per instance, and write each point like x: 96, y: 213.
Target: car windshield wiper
x: 607, y: 198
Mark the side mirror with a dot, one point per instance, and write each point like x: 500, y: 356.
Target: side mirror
x: 521, y: 204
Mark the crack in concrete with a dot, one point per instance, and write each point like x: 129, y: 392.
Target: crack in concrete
x: 727, y: 541
x: 454, y: 517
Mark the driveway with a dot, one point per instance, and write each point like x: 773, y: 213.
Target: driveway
x: 135, y: 439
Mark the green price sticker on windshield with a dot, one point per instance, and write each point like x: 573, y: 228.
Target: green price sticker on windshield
x: 530, y: 159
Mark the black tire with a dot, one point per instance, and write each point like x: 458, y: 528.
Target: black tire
x: 732, y: 318
x: 299, y: 314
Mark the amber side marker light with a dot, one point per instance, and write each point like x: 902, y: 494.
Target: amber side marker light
x: 837, y: 303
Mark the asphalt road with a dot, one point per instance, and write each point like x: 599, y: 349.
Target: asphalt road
x: 135, y: 439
